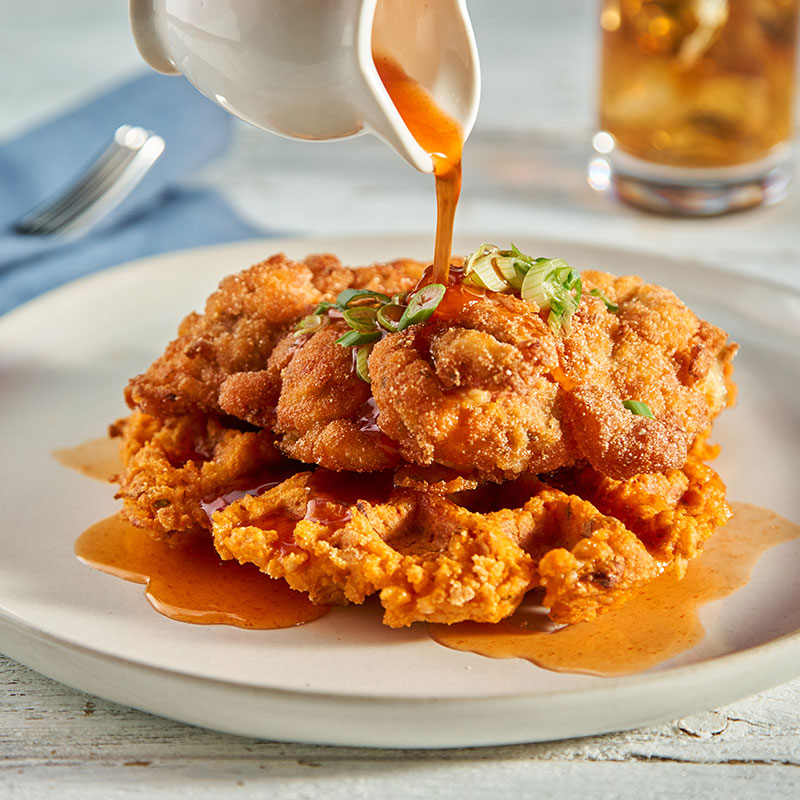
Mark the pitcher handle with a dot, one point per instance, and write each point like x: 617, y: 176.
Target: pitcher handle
x: 145, y: 34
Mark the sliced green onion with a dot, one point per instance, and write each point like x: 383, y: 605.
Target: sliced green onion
x: 639, y: 408
x: 361, y: 318
x: 356, y: 337
x: 541, y: 281
x: 482, y: 272
x: 558, y: 321
x: 422, y: 305
x: 517, y: 253
x: 324, y: 307
x: 389, y: 316
x: 362, y: 362
x: 484, y: 250
x: 554, y: 284
x: 570, y: 280
x: 489, y: 267
x: 309, y: 324
x: 348, y: 296
x: 511, y: 270
x: 609, y: 305
x: 533, y: 288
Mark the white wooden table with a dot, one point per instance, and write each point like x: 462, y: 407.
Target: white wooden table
x: 524, y: 172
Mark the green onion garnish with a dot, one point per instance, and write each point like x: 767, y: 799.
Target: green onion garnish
x: 362, y: 362
x: 361, y: 318
x: 483, y: 272
x: 609, y: 305
x: 422, y: 305
x: 389, y: 316
x: 554, y: 284
x: 357, y: 337
x: 309, y: 324
x: 639, y: 408
x: 348, y: 296
x: 324, y: 307
x: 495, y: 269
x: 549, y: 282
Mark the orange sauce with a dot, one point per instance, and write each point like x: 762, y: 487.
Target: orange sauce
x: 367, y: 423
x: 439, y: 135
x: 97, y: 458
x: 187, y: 581
x: 457, y: 299
x: 657, y: 624
x: 333, y: 494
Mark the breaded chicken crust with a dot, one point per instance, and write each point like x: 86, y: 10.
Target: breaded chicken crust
x: 243, y: 321
x: 434, y: 558
x: 484, y: 387
x: 504, y: 457
x: 490, y: 388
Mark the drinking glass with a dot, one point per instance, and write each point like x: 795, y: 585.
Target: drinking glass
x: 696, y: 103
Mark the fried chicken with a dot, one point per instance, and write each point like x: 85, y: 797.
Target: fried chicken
x: 220, y: 361
x: 490, y: 388
x: 486, y: 386
x: 440, y: 558
x: 497, y: 455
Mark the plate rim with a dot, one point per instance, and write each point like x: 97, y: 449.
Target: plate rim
x: 706, y: 265
x: 517, y: 721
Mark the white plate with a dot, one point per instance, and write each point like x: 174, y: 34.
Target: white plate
x: 345, y: 679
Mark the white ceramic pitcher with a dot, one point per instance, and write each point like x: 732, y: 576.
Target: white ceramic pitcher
x: 304, y: 68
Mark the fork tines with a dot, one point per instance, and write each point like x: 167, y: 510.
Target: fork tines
x: 105, y: 184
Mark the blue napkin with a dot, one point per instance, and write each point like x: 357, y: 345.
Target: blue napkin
x: 159, y: 215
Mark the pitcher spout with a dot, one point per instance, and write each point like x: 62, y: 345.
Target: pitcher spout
x: 434, y: 45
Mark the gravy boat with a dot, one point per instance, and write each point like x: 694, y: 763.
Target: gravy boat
x: 304, y: 68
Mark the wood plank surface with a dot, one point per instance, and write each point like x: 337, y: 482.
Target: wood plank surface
x: 57, y: 742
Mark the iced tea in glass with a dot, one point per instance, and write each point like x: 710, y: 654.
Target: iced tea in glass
x: 696, y: 102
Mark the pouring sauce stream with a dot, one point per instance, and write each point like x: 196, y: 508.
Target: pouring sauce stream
x: 438, y: 134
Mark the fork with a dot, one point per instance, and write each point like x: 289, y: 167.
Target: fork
x: 104, y: 185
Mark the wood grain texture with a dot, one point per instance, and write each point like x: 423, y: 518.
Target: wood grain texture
x: 57, y: 742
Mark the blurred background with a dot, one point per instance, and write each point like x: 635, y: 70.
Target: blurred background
x: 525, y: 162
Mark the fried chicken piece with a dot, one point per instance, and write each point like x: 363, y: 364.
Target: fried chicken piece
x: 611, y: 438
x: 243, y: 321
x: 427, y: 558
x: 323, y: 410
x: 473, y: 394
x: 475, y: 554
x: 669, y: 515
x: 486, y: 386
x: 173, y: 465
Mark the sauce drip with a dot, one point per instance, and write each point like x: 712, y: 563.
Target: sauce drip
x: 187, y: 580
x: 660, y: 622
x: 97, y: 458
x: 234, y: 494
x: 367, y: 423
x: 439, y: 135
x: 332, y: 494
x: 457, y: 299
